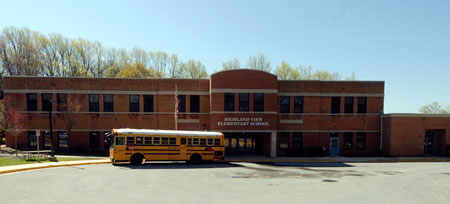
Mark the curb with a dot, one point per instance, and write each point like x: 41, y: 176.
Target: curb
x: 342, y: 161
x: 51, y: 166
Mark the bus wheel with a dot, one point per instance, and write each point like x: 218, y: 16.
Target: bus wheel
x: 136, y: 159
x: 195, y: 159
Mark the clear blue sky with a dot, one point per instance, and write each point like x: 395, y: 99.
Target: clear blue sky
x: 404, y: 43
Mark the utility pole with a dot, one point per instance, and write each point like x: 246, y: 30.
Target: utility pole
x: 176, y: 105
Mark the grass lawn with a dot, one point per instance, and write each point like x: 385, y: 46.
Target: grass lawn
x: 10, y: 162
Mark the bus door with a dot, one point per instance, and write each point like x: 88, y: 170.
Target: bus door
x: 183, y: 147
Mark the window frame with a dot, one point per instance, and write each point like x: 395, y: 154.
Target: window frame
x: 294, y: 139
x: 258, y: 102
x: 284, y: 140
x: 94, y: 106
x: 335, y: 104
x: 285, y: 102
x: 298, y: 104
x: 149, y: 103
x: 362, y: 104
x: 244, y: 105
x: 108, y: 106
x: 194, y: 106
x: 347, y: 140
x: 46, y: 104
x: 32, y: 139
x: 31, y: 103
x: 348, y: 104
x: 182, y: 103
x: 94, y: 139
x: 229, y: 102
x: 60, y: 134
x: 61, y: 101
x: 134, y: 106
x: 361, y: 140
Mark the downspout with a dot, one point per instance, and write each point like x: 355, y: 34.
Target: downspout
x: 381, y: 131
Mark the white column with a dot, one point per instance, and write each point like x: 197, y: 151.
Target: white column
x: 273, y: 144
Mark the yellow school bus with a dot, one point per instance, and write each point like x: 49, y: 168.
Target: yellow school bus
x: 139, y: 145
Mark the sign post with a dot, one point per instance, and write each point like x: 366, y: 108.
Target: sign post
x: 38, y: 133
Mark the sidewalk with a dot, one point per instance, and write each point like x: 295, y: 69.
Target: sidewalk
x: 26, y: 167
x: 105, y: 160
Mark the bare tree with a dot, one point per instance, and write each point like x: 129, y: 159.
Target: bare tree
x: 159, y: 62
x: 259, y: 62
x: 231, y: 64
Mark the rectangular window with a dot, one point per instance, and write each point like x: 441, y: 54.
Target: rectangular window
x: 47, y: 139
x: 31, y: 102
x: 120, y: 141
x: 46, y: 101
x: 32, y: 140
x: 297, y: 140
x: 284, y: 104
x: 210, y: 141
x: 258, y: 102
x: 140, y: 140
x: 202, y: 141
x: 284, y: 140
x: 63, y: 139
x: 195, y: 104
x: 183, y: 141
x: 134, y: 103
x: 348, y: 108
x: 229, y: 102
x: 156, y: 140
x: 216, y: 141
x: 298, y: 104
x: 108, y: 103
x: 244, y: 102
x: 361, y: 140
x: 148, y: 103
x: 61, y: 100
x: 148, y: 140
x: 94, y: 105
x: 362, y: 104
x: 195, y: 141
x: 348, y: 140
x: 181, y: 103
x: 164, y: 140
x: 94, y: 140
x: 189, y: 141
x: 172, y: 140
x: 336, y: 104
x: 130, y: 140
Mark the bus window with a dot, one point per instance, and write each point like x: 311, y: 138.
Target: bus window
x: 148, y: 140
x: 120, y: 141
x: 217, y: 141
x: 156, y: 140
x: 139, y: 140
x: 210, y: 141
x: 202, y: 141
x: 130, y: 140
x: 183, y: 141
x: 173, y: 140
x: 189, y: 141
x: 164, y: 140
x: 195, y: 141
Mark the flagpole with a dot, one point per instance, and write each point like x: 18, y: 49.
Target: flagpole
x: 176, y: 105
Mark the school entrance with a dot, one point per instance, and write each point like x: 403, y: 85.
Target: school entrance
x: 244, y: 143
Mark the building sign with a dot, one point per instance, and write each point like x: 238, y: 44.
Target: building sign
x: 243, y: 122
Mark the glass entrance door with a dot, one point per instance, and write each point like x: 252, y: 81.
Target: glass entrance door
x: 428, y: 144
x: 334, y: 144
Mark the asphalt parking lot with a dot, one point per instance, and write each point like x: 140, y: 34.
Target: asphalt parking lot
x: 234, y: 182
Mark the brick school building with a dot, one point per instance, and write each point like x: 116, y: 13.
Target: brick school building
x: 258, y: 114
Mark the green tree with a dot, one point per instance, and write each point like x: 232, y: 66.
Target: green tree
x: 136, y: 70
x: 259, y: 62
x: 193, y: 70
x: 231, y: 64
x: 286, y: 72
x: 433, y: 108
